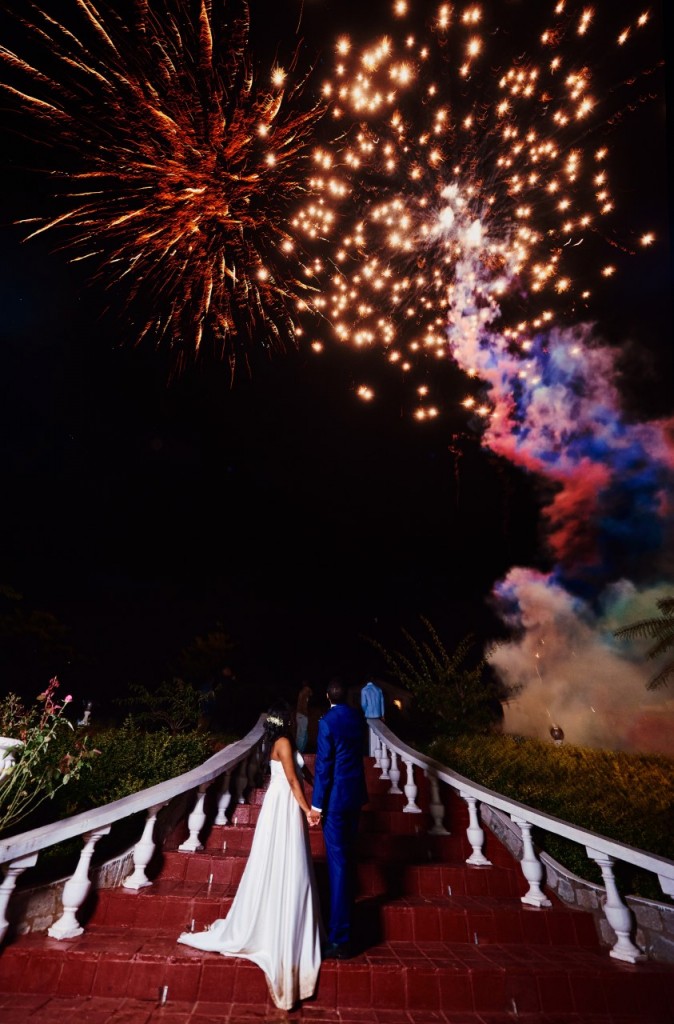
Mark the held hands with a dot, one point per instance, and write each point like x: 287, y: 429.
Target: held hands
x: 313, y: 817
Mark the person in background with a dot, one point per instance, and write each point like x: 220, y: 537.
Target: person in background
x: 302, y: 717
x: 338, y: 795
x: 372, y: 703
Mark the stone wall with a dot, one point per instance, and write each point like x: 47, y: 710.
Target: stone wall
x: 36, y: 909
x: 653, y: 921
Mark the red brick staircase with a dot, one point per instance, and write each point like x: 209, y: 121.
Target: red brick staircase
x: 438, y: 942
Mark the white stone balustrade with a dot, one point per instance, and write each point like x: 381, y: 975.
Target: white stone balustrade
x: 224, y: 800
x: 12, y: 872
x: 617, y: 913
x: 76, y: 889
x: 532, y: 869
x: 411, y: 789
x: 436, y: 806
x: 143, y: 851
x: 240, y: 783
x: 195, y: 822
x: 394, y: 774
x: 384, y: 762
x: 475, y: 833
x: 252, y: 767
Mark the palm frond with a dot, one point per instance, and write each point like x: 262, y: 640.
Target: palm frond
x: 642, y: 630
x: 662, y: 677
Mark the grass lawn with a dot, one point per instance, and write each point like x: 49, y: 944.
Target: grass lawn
x: 628, y: 797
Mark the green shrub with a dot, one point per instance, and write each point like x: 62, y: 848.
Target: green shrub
x: 132, y: 759
x: 129, y: 759
x: 627, y: 797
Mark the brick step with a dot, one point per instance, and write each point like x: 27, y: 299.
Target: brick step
x: 413, y: 847
x: 170, y: 909
x: 388, y: 835
x: 387, y: 816
x: 32, y: 1009
x: 428, y: 978
x: 375, y: 877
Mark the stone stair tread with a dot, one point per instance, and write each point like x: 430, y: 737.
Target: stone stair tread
x: 496, y: 983
x: 105, y: 1010
x: 120, y: 942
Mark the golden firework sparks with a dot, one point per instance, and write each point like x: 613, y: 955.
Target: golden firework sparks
x: 178, y: 165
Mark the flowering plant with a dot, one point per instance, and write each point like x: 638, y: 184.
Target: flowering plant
x: 40, y: 763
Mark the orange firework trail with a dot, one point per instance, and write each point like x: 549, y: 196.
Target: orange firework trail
x: 181, y: 165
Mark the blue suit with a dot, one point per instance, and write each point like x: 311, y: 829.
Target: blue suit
x: 340, y: 792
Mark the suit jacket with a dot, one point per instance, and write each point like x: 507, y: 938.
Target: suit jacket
x: 339, y: 775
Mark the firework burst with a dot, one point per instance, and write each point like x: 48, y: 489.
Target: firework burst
x: 465, y: 203
x: 174, y: 166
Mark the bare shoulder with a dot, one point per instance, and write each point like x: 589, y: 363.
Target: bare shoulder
x: 281, y: 749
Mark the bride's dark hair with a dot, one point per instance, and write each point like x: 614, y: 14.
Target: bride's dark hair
x: 279, y: 723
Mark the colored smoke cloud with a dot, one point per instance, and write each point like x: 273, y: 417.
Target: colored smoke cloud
x: 572, y: 670
x: 607, y: 486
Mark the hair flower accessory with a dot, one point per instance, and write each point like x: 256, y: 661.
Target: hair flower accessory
x: 274, y: 720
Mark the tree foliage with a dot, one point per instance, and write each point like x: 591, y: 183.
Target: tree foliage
x: 174, y: 705
x: 659, y: 629
x: 457, y: 688
x: 206, y: 655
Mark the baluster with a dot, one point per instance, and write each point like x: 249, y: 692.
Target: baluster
x: 532, y: 869
x: 474, y: 833
x: 436, y: 806
x: 240, y: 782
x: 394, y: 773
x: 143, y: 851
x: 251, y: 768
x: 617, y: 913
x: 385, y: 761
x: 377, y: 748
x: 196, y: 822
x: 411, y: 790
x: 76, y: 889
x: 224, y: 800
x: 14, y: 869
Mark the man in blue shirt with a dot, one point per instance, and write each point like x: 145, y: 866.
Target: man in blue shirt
x: 372, y: 703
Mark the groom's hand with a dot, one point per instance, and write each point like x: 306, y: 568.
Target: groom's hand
x: 313, y: 817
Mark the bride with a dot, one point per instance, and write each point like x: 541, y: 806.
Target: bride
x: 274, y: 919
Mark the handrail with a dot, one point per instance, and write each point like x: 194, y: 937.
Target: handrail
x: 604, y: 851
x: 100, y: 817
x: 612, y: 847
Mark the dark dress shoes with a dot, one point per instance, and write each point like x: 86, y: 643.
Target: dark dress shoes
x: 337, y: 951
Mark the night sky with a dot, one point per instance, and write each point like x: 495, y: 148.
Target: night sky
x: 144, y: 509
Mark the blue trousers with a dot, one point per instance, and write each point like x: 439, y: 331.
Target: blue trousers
x: 340, y: 829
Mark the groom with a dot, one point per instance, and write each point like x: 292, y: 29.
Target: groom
x: 338, y: 795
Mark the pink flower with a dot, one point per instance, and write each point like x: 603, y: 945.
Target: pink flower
x: 67, y: 700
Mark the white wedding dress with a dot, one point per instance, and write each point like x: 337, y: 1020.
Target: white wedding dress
x: 274, y: 919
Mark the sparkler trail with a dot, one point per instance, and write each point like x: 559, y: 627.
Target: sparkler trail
x: 173, y: 165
